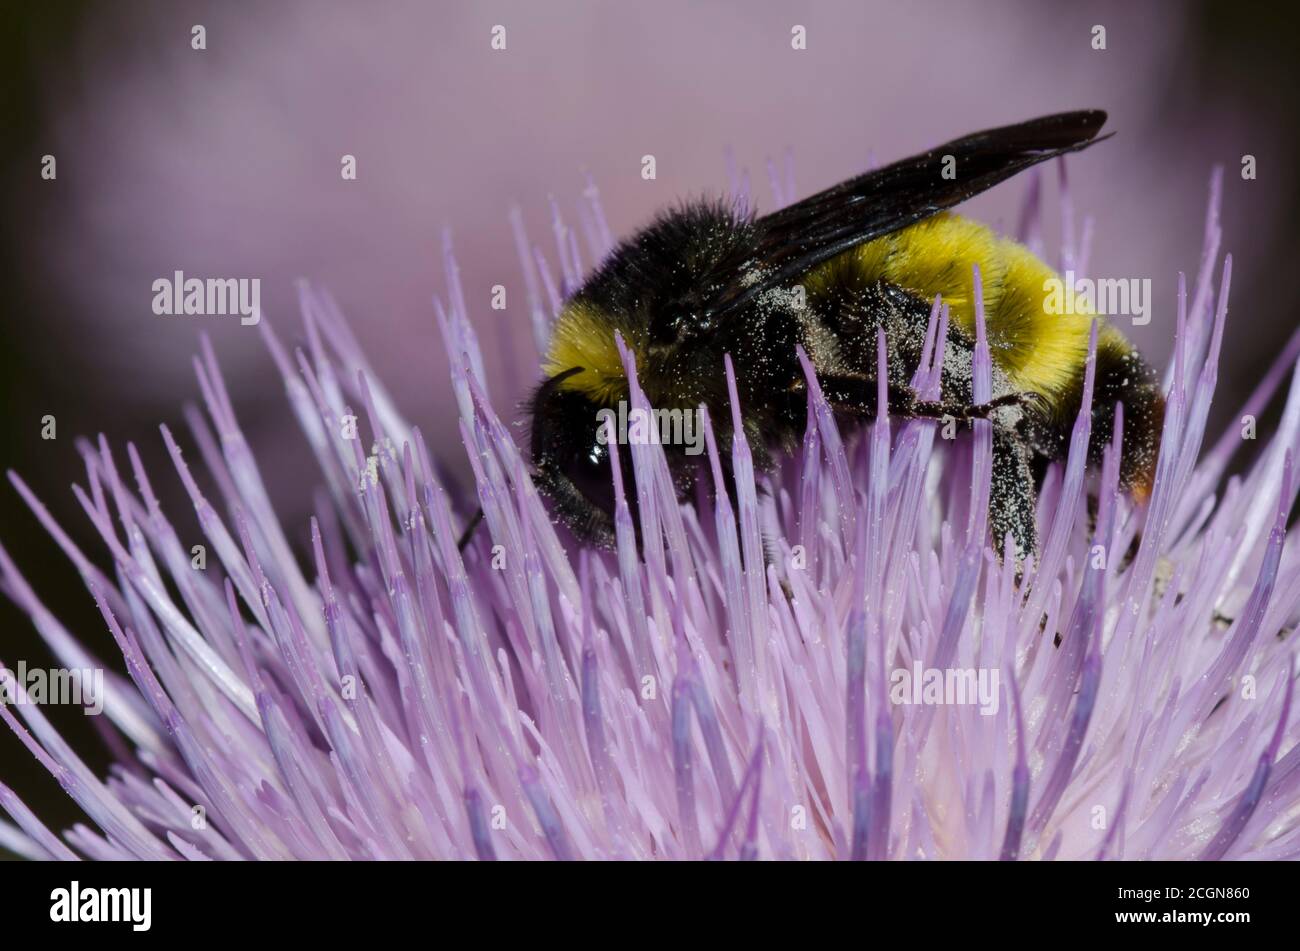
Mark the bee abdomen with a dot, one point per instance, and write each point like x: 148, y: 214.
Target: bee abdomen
x: 1037, y: 351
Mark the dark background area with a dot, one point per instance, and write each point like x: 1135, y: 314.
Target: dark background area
x: 1247, y: 49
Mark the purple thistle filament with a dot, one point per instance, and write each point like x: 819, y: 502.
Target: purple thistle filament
x: 725, y: 690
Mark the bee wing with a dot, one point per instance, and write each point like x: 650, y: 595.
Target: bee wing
x: 891, y: 198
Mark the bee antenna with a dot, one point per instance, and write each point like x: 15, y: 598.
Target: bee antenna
x: 470, y: 526
x: 559, y: 378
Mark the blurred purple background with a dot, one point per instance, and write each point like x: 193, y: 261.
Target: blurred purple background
x: 226, y: 162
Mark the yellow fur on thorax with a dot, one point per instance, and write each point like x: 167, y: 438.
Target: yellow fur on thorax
x: 584, y: 337
x: 1038, y: 350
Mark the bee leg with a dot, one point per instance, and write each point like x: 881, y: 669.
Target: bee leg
x: 858, y: 395
x: 1013, y: 500
x: 848, y: 393
x: 970, y: 411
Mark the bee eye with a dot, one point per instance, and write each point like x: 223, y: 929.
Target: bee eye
x: 592, y: 475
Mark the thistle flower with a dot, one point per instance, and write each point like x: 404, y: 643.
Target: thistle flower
x: 763, y: 678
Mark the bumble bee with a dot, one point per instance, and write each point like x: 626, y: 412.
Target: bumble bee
x: 871, y: 253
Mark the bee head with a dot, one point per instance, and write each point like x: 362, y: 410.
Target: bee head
x: 571, y: 459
